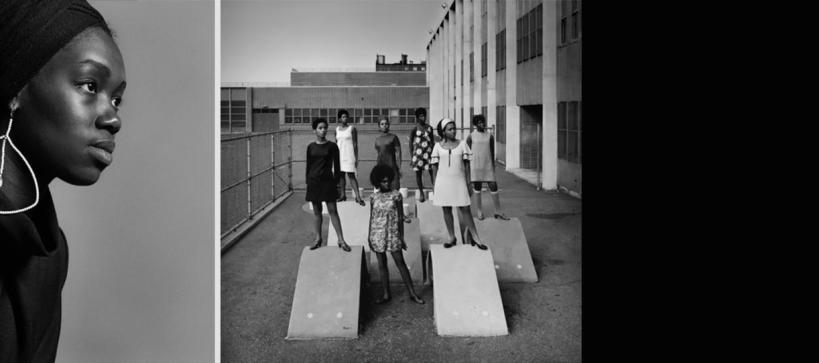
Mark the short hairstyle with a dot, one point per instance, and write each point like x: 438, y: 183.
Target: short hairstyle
x: 342, y: 112
x: 317, y: 121
x: 420, y: 111
x: 379, y: 172
x: 478, y: 117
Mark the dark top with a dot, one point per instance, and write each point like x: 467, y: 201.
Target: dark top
x: 386, y: 146
x: 33, y: 269
x: 322, y: 172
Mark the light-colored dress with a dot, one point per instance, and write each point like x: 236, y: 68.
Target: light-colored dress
x: 344, y: 140
x: 480, y: 167
x: 450, y: 183
x: 384, y: 235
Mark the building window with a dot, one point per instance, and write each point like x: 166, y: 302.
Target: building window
x: 519, y: 35
x: 471, y: 67
x: 539, y: 30
x: 563, y: 20
x: 500, y: 124
x: 332, y: 114
x: 575, y: 20
x: 500, y: 50
x: 484, y: 60
x: 573, y: 133
x: 561, y: 130
x: 288, y: 115
x: 233, y: 112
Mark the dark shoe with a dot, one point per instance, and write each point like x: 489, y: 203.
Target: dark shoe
x: 344, y: 247
x: 501, y: 216
x: 342, y: 199
x: 422, y: 198
x: 450, y: 243
x: 480, y: 246
x: 417, y: 299
x: 360, y: 201
x: 317, y: 245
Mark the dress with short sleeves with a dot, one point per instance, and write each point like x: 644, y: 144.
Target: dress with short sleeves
x: 481, y: 166
x: 384, y: 234
x: 450, y: 183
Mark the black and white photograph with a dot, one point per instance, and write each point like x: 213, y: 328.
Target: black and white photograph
x: 400, y: 180
x: 107, y: 187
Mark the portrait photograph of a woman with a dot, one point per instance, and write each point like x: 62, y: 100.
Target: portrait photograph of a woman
x: 106, y: 179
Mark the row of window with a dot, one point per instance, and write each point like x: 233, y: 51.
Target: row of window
x: 575, y: 21
x: 356, y: 115
x: 569, y: 131
x: 530, y: 34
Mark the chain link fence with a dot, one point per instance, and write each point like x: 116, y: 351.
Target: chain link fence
x: 257, y: 170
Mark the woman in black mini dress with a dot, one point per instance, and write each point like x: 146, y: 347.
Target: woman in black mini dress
x: 322, y: 173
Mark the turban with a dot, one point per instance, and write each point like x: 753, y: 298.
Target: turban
x: 32, y: 31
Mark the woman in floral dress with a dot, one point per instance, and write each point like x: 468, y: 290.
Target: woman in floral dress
x: 386, y: 233
x: 421, y: 142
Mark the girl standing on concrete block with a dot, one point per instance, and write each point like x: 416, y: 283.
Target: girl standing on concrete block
x: 483, y: 165
x: 322, y: 178
x: 62, y: 79
x: 347, y: 139
x: 450, y: 162
x: 386, y: 232
x: 421, y: 141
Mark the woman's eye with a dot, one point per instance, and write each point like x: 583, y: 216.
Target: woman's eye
x: 89, y: 87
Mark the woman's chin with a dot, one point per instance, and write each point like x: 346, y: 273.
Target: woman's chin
x: 83, y: 177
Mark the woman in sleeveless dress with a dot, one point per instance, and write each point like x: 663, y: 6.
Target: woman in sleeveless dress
x: 421, y: 141
x: 483, y: 165
x: 347, y: 140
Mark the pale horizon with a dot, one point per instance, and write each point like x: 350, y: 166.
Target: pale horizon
x: 316, y: 40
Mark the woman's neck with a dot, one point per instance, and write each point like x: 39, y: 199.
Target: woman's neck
x: 18, y: 185
x: 321, y: 140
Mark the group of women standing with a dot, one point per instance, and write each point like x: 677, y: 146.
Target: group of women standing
x: 448, y: 162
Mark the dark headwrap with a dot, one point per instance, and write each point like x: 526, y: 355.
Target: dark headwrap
x: 32, y: 31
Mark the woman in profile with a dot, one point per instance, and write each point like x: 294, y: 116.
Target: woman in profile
x: 62, y: 80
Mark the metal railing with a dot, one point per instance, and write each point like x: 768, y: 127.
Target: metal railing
x: 256, y: 171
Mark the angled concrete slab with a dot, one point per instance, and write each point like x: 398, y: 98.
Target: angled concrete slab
x: 327, y: 296
x: 467, y: 300
x: 355, y: 221
x: 510, y: 251
x: 433, y: 227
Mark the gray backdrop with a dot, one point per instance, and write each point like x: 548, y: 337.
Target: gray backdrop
x: 142, y: 240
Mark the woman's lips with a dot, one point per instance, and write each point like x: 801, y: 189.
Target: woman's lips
x: 102, y: 151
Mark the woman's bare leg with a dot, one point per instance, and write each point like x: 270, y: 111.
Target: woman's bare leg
x: 316, y: 224
x: 398, y: 257
x: 331, y: 208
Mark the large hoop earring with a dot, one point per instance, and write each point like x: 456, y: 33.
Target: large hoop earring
x: 7, y: 139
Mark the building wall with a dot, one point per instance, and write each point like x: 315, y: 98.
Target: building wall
x: 528, y: 89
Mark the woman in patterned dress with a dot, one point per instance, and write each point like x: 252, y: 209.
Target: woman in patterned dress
x: 450, y: 162
x: 483, y: 165
x: 386, y: 233
x: 421, y: 141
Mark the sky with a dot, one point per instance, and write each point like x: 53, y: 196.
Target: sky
x: 262, y: 40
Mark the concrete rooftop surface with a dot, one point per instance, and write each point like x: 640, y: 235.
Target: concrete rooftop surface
x: 544, y: 318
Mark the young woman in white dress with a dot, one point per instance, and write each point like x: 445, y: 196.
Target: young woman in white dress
x: 347, y: 141
x: 450, y: 163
